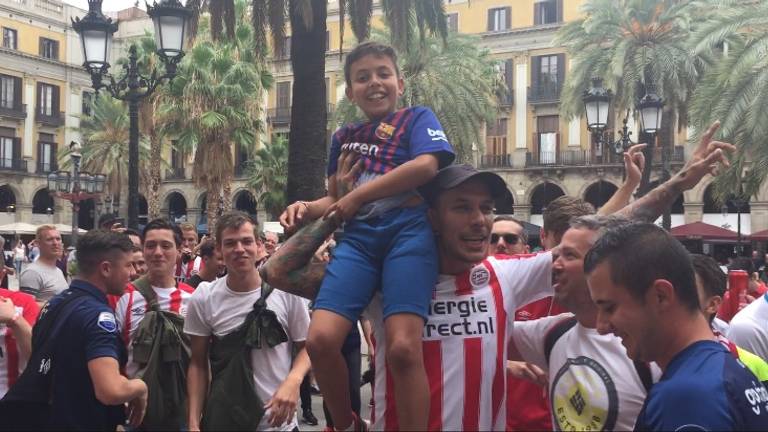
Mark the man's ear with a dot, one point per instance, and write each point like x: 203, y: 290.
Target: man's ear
x: 662, y: 294
x: 348, y: 92
x: 105, y: 269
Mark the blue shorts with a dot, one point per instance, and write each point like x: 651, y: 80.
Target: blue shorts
x: 395, y: 252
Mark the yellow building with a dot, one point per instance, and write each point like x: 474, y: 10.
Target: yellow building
x: 539, y: 153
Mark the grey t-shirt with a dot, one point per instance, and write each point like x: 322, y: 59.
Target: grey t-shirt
x: 42, y: 281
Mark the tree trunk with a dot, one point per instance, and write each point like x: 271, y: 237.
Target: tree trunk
x: 307, y: 140
x: 667, y: 141
x: 211, y: 206
x: 226, y: 196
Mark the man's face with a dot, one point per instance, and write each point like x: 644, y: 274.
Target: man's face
x: 502, y: 232
x: 239, y: 249
x: 462, y: 220
x: 568, y: 279
x: 709, y: 304
x: 270, y: 242
x: 214, y: 263
x: 620, y: 313
x: 188, y: 239
x: 375, y: 85
x: 50, y: 244
x: 160, y: 252
x: 139, y: 264
x: 120, y: 272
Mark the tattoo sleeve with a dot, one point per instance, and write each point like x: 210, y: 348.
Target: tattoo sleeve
x: 649, y: 207
x: 292, y: 268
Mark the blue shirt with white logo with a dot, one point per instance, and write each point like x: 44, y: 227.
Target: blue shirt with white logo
x: 705, y: 388
x: 386, y: 144
x: 90, y: 332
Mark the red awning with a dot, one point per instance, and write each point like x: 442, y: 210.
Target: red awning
x: 759, y: 236
x: 703, y: 231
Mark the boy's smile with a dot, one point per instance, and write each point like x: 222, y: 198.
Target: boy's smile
x: 375, y: 86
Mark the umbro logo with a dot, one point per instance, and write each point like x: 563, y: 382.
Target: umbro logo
x: 138, y: 310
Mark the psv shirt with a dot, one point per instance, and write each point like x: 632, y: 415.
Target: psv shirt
x: 465, y: 343
x: 11, y: 363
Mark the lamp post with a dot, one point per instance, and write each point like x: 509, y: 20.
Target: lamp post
x: 170, y: 20
x: 75, y: 187
x: 739, y: 201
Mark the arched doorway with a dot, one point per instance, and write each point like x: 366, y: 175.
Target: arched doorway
x: 506, y: 204
x: 7, y: 199
x: 42, y: 203
x: 246, y: 202
x: 599, y: 193
x: 177, y: 207
x: 542, y: 195
x: 86, y: 216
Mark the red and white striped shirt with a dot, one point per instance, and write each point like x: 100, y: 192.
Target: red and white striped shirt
x: 465, y: 343
x: 132, y: 306
x: 188, y: 269
x: 11, y: 363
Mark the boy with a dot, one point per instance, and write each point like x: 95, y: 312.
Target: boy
x: 387, y: 242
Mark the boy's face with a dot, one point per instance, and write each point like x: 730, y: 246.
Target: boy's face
x: 375, y: 85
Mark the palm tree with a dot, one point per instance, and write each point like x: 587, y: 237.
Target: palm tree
x: 268, y: 174
x: 735, y: 88
x: 456, y: 79
x: 105, y: 144
x: 634, y: 46
x: 308, y: 138
x: 213, y: 105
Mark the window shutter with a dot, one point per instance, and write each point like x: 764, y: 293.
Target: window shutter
x: 559, y: 11
x: 54, y: 159
x: 16, y: 148
x: 55, y: 102
x: 537, y: 13
x: 490, y: 19
x: 508, y: 65
x: 56, y: 50
x: 508, y: 15
x: 560, y: 72
x: 17, y: 92
x: 535, y: 72
x: 40, y: 47
x: 39, y: 98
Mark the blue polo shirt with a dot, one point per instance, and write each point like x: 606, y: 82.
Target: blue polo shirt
x: 705, y: 388
x: 90, y: 332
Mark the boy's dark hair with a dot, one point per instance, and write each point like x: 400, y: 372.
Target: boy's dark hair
x: 508, y: 218
x: 206, y: 248
x: 162, y: 224
x: 97, y: 246
x: 377, y: 49
x: 235, y: 219
x: 641, y: 253
x: 558, y: 214
x: 713, y: 279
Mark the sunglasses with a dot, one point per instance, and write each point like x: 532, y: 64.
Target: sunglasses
x: 508, y: 238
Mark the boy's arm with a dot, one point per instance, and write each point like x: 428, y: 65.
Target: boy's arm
x: 197, y: 380
x: 405, y: 177
x: 283, y: 402
x: 634, y: 161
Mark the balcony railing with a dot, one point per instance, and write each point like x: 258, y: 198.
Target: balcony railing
x: 578, y: 158
x: 55, y: 120
x: 544, y: 93
x: 496, y: 161
x: 282, y: 115
x: 18, y: 111
x: 13, y: 164
x: 175, y: 173
x: 43, y: 167
x: 506, y: 98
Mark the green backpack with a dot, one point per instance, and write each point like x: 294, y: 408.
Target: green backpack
x: 162, y: 351
x: 232, y: 402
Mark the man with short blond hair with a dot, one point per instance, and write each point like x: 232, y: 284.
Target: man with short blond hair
x: 42, y: 279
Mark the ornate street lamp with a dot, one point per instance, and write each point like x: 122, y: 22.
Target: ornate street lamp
x: 650, y: 108
x: 170, y: 19
x: 75, y: 187
x: 597, y: 104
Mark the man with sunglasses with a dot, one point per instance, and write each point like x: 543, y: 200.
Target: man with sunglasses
x: 508, y: 237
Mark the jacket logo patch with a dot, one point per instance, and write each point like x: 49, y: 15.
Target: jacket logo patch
x: 107, y: 322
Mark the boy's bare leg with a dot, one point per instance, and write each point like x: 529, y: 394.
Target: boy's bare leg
x: 327, y: 332
x: 406, y: 363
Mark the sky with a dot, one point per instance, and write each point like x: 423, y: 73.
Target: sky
x: 108, y: 5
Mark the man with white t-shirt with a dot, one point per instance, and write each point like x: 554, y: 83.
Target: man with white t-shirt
x: 593, y: 384
x: 217, y: 311
x: 748, y: 328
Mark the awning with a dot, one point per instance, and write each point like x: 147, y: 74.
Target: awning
x: 532, y: 230
x: 704, y: 231
x: 65, y: 229
x: 759, y: 236
x: 18, y: 228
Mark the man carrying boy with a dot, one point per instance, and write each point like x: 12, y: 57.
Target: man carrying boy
x: 387, y: 242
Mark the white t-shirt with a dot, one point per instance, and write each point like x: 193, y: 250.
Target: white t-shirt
x: 131, y: 308
x: 42, y: 281
x: 593, y: 384
x: 465, y: 343
x: 214, y: 309
x: 749, y: 328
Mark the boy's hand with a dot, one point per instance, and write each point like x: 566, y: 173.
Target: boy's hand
x: 293, y: 215
x: 634, y: 163
x: 344, y: 209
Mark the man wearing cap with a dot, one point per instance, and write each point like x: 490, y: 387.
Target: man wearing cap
x: 471, y: 314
